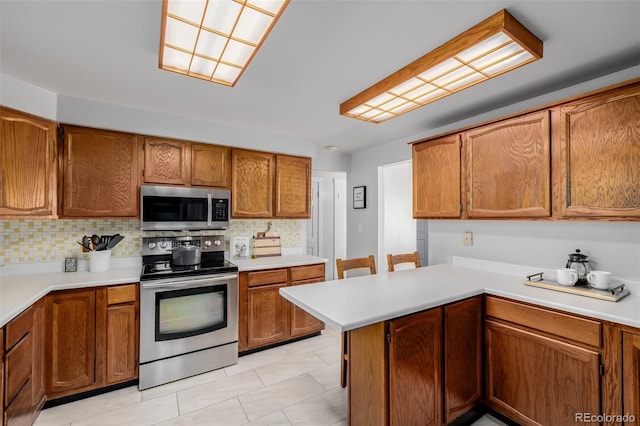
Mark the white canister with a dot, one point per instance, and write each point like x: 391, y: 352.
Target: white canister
x: 99, y: 261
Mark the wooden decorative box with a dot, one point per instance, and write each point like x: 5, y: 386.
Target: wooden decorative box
x: 267, y: 246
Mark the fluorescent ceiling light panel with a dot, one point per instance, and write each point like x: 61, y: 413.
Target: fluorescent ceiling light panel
x: 215, y: 40
x: 496, y: 45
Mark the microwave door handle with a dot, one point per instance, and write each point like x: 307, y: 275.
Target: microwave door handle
x: 182, y: 283
x: 210, y: 209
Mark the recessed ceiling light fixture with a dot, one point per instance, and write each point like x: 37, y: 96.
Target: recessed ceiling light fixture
x: 215, y: 39
x: 496, y: 45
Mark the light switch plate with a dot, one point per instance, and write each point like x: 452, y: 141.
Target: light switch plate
x: 467, y: 238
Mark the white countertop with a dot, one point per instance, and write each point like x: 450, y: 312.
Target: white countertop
x: 18, y: 292
x: 272, y: 262
x: 361, y: 301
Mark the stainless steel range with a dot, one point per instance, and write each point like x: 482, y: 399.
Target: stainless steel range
x: 188, y: 313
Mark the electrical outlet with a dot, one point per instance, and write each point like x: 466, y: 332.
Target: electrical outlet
x: 467, y: 238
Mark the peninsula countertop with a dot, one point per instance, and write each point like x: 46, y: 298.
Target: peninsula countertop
x: 365, y: 300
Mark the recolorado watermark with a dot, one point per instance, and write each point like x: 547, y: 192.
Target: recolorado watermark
x: 608, y: 418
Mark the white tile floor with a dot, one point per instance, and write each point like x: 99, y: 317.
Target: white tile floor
x: 295, y: 384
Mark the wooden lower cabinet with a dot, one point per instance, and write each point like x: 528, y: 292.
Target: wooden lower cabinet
x: 71, y: 339
x: 38, y: 394
x: 534, y: 379
x: 462, y: 357
x: 268, y: 316
x: 399, y: 370
x: 415, y: 369
x: 92, y: 339
x: 631, y: 377
x: 122, y: 336
x: 265, y: 317
x: 1, y: 376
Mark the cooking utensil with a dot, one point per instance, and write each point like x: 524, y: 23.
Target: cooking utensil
x: 105, y: 239
x: 87, y: 247
x: 101, y: 246
x: 579, y: 262
x: 186, y: 255
x: 114, y: 241
x: 95, y: 240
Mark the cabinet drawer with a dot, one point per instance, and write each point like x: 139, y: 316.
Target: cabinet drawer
x: 121, y: 294
x: 18, y: 367
x: 19, y: 413
x: 18, y: 327
x: 275, y: 276
x: 568, y: 326
x: 300, y: 273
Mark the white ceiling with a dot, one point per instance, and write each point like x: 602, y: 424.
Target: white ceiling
x: 321, y: 53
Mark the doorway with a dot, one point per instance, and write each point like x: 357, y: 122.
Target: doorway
x: 397, y: 229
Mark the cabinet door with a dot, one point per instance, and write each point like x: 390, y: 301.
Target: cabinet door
x: 166, y: 161
x: 293, y: 187
x: 436, y: 178
x: 509, y: 168
x: 599, y: 155
x: 100, y: 173
x: 122, y: 359
x: 27, y: 165
x: 534, y: 379
x: 38, y: 356
x: 251, y: 183
x: 267, y: 316
x: 1, y: 376
x: 631, y: 375
x: 70, y: 340
x: 462, y: 357
x: 210, y: 165
x: 415, y: 369
x: 303, y: 322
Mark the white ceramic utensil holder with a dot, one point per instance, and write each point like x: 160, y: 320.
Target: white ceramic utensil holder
x: 99, y: 261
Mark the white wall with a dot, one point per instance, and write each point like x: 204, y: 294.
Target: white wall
x: 26, y: 97
x: 611, y: 246
x: 362, y: 224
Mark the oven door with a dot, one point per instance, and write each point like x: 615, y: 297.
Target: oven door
x: 183, y: 315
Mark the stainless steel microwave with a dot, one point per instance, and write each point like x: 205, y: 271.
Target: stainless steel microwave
x: 171, y: 208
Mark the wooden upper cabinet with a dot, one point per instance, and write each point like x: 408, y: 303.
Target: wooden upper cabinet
x: 293, y: 187
x: 251, y: 183
x: 598, y: 155
x: 27, y: 165
x: 101, y: 173
x: 166, y: 161
x: 509, y: 170
x: 210, y: 165
x: 436, y: 178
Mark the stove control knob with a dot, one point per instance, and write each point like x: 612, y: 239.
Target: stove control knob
x: 163, y: 244
x: 217, y: 242
x: 207, y: 243
x: 152, y: 245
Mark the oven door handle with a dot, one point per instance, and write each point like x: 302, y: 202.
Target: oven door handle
x: 182, y: 283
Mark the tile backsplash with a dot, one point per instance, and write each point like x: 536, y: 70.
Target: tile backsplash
x: 37, y: 240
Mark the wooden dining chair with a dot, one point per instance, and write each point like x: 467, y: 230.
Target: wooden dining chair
x: 355, y: 263
x: 395, y: 259
x: 346, y: 265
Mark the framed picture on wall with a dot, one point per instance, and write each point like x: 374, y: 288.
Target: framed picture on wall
x: 359, y: 197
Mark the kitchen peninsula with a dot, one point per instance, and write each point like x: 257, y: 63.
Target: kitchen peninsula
x: 410, y: 333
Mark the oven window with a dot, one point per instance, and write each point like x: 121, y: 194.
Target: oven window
x: 190, y: 312
x: 174, y: 209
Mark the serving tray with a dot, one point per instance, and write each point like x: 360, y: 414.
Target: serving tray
x: 618, y: 291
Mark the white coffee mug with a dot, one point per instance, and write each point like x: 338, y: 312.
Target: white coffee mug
x: 599, y: 279
x: 567, y: 276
